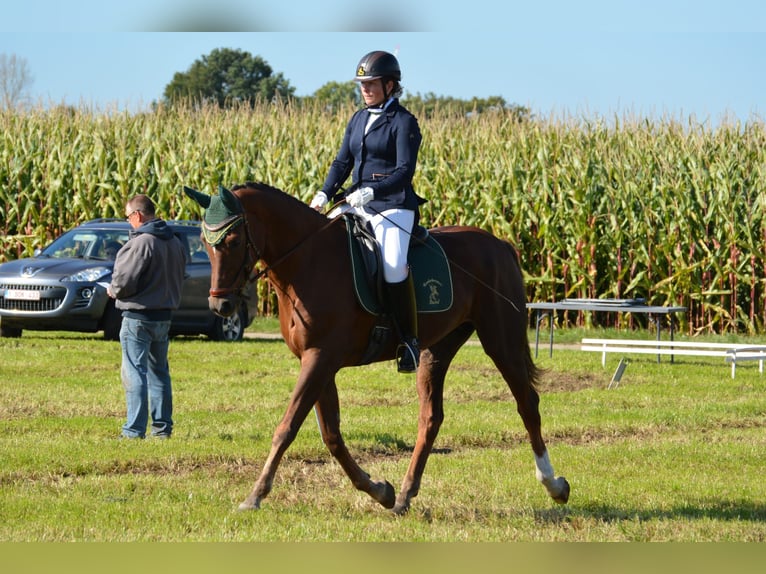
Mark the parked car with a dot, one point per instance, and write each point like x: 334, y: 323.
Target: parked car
x: 63, y: 287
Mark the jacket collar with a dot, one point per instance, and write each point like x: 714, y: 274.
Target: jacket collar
x: 384, y: 108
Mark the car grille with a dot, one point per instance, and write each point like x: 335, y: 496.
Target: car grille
x: 51, y: 298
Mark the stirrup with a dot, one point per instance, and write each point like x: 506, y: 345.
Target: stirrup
x: 407, y: 357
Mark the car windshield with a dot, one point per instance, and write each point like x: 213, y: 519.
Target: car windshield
x: 87, y: 244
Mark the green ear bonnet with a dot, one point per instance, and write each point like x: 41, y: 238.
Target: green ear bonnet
x: 222, y: 213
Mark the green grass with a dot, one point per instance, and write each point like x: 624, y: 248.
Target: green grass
x: 675, y: 453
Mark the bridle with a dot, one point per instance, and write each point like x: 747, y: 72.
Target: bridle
x: 215, y: 234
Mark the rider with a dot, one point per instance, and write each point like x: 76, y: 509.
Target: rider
x: 380, y: 150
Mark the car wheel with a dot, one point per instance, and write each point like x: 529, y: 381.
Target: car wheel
x: 10, y: 331
x: 230, y: 328
x: 111, y: 322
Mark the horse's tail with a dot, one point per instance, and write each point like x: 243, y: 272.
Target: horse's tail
x: 534, y: 372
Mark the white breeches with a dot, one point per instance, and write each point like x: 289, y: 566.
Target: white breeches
x: 392, y: 232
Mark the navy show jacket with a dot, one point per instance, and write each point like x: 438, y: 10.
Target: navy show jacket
x: 383, y: 159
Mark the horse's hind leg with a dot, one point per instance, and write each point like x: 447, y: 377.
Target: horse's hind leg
x: 514, y: 361
x: 434, y: 363
x: 528, y: 402
x: 328, y: 414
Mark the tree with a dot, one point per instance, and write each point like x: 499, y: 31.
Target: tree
x: 15, y: 79
x: 335, y: 95
x: 227, y: 76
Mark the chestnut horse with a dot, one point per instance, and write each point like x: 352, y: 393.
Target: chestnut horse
x: 323, y: 324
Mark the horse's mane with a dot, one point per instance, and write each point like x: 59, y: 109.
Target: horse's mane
x: 293, y: 203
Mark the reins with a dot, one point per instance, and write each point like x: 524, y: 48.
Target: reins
x: 290, y: 251
x: 251, y: 247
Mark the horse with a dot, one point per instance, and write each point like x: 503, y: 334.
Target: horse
x: 326, y: 328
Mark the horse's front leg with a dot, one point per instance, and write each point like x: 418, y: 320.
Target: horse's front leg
x: 430, y: 395
x: 306, y: 391
x: 328, y: 415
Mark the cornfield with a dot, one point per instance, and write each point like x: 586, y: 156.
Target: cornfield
x: 668, y: 210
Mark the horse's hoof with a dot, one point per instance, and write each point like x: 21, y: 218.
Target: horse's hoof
x: 563, y: 496
x: 402, y: 505
x: 385, y: 494
x: 400, y: 509
x: 248, y: 505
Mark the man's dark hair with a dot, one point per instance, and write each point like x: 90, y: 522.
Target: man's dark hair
x: 142, y: 203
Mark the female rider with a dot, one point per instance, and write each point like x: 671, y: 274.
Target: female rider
x: 380, y: 150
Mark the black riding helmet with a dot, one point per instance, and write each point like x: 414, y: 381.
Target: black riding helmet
x: 378, y: 64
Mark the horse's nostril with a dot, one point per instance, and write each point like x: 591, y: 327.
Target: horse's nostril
x: 222, y: 307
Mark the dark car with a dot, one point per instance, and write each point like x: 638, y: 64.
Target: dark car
x: 63, y: 287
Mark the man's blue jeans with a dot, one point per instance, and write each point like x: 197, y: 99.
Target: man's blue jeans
x: 146, y: 377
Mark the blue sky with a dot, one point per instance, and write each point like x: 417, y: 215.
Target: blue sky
x: 702, y: 59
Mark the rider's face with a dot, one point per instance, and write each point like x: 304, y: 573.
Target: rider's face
x: 372, y: 92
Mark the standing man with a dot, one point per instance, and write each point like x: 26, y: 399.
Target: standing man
x: 146, y: 283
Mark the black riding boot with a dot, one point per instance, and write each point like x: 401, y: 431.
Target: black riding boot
x: 403, y: 308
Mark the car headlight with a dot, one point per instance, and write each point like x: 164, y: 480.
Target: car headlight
x: 90, y: 274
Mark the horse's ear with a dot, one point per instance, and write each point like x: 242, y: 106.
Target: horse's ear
x: 229, y: 199
x: 202, y: 198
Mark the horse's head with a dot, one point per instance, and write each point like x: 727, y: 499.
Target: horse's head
x: 231, y: 252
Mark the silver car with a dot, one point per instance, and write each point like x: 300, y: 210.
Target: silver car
x: 63, y: 287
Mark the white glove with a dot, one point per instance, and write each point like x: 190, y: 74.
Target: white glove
x: 360, y: 197
x: 319, y: 201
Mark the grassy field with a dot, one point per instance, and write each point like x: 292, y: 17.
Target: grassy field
x: 675, y: 453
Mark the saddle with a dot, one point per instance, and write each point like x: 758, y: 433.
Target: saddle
x: 428, y: 264
x: 429, y: 267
